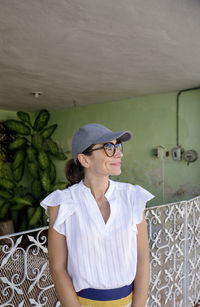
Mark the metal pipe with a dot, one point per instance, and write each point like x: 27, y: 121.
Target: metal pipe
x: 177, y: 110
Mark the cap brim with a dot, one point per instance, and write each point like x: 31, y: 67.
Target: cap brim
x: 122, y: 136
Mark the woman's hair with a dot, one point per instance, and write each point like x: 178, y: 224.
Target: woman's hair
x: 74, y: 172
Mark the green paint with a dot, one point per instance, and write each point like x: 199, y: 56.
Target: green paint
x: 5, y: 114
x: 152, y: 119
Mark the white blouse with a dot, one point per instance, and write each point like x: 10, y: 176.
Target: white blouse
x: 100, y: 255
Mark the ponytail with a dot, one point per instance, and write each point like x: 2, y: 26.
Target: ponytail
x: 74, y: 172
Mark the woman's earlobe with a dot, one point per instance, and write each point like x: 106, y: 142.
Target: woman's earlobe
x: 85, y: 160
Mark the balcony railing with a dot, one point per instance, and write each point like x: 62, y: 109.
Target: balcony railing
x: 174, y: 240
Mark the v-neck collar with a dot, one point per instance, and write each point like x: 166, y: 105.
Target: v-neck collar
x: 93, y: 207
x: 108, y: 193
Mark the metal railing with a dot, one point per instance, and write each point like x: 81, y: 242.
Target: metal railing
x: 174, y: 239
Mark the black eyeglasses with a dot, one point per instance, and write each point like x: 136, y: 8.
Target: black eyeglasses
x: 109, y: 148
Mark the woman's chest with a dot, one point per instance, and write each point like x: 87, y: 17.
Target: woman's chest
x: 86, y: 229
x: 104, y: 209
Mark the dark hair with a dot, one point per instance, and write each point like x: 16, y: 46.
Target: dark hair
x: 74, y: 172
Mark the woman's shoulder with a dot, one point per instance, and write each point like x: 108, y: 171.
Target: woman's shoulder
x: 132, y: 190
x: 135, y: 197
x: 59, y: 197
x: 63, y: 193
x: 124, y: 186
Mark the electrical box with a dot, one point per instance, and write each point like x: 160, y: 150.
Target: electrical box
x: 160, y: 152
x: 177, y: 153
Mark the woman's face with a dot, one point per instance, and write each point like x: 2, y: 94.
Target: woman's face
x: 100, y: 164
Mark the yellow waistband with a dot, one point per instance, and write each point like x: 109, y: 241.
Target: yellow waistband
x: 123, y: 302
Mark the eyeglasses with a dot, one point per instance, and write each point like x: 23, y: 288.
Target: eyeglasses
x: 109, y: 148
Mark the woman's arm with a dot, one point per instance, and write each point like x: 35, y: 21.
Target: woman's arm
x: 57, y: 253
x: 141, y: 282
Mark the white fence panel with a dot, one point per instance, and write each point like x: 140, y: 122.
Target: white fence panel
x: 174, y: 240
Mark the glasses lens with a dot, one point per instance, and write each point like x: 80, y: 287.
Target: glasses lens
x: 119, y: 146
x: 109, y: 149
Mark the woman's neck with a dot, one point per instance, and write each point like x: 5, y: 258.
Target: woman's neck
x: 98, y: 186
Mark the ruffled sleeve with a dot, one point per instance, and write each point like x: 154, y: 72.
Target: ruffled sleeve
x: 139, y: 199
x: 66, y: 209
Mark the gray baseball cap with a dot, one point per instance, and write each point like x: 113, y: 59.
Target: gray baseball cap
x: 95, y: 134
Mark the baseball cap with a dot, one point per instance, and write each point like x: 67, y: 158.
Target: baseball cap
x: 90, y: 134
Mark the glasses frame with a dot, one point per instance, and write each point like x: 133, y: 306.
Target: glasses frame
x: 103, y: 147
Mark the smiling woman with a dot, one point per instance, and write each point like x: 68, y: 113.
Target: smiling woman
x: 98, y: 245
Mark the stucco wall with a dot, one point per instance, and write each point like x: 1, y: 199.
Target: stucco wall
x: 152, y: 119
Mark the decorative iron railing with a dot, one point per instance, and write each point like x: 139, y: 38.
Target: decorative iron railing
x: 174, y: 239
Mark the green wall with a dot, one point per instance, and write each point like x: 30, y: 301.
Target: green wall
x: 152, y: 119
x: 5, y: 114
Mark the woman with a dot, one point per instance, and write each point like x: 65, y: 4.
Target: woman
x: 97, y: 241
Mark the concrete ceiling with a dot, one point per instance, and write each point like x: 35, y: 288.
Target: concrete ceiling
x: 79, y: 52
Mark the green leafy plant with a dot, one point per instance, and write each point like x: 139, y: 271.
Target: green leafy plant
x: 33, y: 149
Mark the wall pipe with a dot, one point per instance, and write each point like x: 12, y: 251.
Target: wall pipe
x: 177, y: 110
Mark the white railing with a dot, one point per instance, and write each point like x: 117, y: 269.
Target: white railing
x: 174, y: 239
